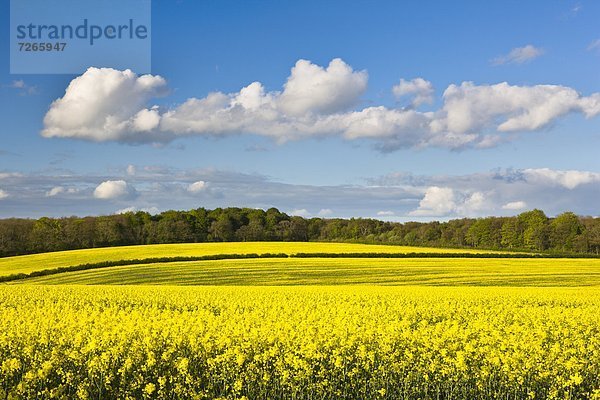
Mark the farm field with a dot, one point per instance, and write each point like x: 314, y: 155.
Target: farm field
x: 302, y: 342
x: 35, y: 262
x: 343, y: 271
x: 300, y: 328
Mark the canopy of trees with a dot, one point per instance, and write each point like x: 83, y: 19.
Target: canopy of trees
x: 531, y: 230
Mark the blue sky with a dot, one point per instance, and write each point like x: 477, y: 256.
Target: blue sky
x: 549, y: 160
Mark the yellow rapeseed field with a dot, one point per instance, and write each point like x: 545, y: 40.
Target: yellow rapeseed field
x: 310, y: 342
x: 35, y: 262
x: 344, y: 271
x: 299, y: 328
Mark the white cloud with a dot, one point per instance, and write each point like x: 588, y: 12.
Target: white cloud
x: 309, y: 105
x: 515, y: 205
x: 18, y: 84
x: 126, y: 210
x: 303, y: 212
x: 595, y: 45
x: 494, y: 193
x: 444, y: 201
x: 113, y: 190
x: 3, y: 194
x: 519, y: 55
x: 437, y: 202
x: 470, y: 108
x: 409, y: 196
x: 133, y: 209
x: 472, y: 204
x: 131, y: 170
x: 146, y: 120
x: 9, y: 175
x: 325, y: 212
x: 55, y: 191
x: 196, y: 187
x: 110, y: 105
x: 385, y: 213
x: 569, y: 179
x: 104, y: 104
x: 314, y: 89
x: 419, y: 88
x: 22, y: 87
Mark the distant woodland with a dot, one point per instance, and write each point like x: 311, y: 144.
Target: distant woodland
x: 529, y: 231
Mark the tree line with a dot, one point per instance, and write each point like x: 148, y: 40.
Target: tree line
x: 531, y: 230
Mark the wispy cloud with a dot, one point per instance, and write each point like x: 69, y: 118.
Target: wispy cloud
x: 385, y: 213
x: 8, y: 153
x: 595, y: 45
x: 519, y: 55
x: 398, y: 196
x: 22, y: 87
x: 18, y: 84
x: 515, y: 205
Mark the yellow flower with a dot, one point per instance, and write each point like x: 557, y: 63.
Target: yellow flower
x: 149, y: 388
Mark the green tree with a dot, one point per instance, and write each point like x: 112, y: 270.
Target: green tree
x: 222, y: 230
x: 173, y: 227
x: 590, y: 238
x: 46, y: 235
x: 535, y: 232
x: 298, y: 229
x: 511, y: 233
x: 480, y: 234
x: 253, y: 232
x: 564, y: 230
x: 14, y: 235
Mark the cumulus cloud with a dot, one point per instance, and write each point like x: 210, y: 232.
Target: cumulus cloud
x: 108, y: 190
x: 105, y: 104
x: 3, y: 194
x: 472, y: 204
x: 494, y: 193
x: 471, y: 108
x: 515, y: 205
x: 314, y: 89
x: 196, y: 187
x: 569, y: 179
x: 437, y: 202
x: 419, y: 88
x: 519, y: 55
x: 444, y: 201
x: 109, y: 105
